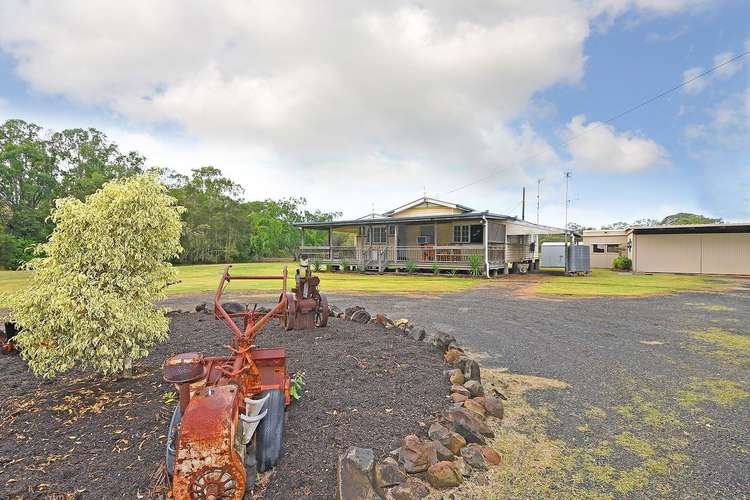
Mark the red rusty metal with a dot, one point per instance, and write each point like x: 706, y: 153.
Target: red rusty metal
x: 210, y: 447
x: 307, y: 308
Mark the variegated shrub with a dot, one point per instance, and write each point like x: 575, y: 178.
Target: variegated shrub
x: 90, y: 301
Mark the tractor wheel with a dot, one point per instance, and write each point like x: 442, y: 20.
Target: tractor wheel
x: 270, y: 431
x: 172, y: 435
x: 321, y: 315
x: 251, y: 471
x: 291, y: 313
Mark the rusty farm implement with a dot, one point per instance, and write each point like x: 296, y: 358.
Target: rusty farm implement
x: 229, y: 421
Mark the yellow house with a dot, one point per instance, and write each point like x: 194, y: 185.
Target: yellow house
x: 427, y: 233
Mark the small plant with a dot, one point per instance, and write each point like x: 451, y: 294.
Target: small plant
x: 316, y: 264
x: 344, y: 265
x: 295, y: 386
x: 411, y: 266
x: 452, y: 273
x: 169, y: 397
x: 435, y: 269
x: 475, y: 265
x: 622, y: 263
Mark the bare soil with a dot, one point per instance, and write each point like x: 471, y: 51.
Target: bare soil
x: 88, y: 437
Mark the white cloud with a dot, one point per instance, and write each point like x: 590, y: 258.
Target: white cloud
x: 696, y: 85
x: 598, y: 146
x: 729, y: 68
x: 335, y: 94
x: 726, y: 70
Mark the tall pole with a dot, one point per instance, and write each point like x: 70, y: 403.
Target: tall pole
x: 538, y: 189
x: 567, y: 202
x: 523, y: 204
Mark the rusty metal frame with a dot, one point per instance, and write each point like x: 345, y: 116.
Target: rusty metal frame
x: 211, y: 402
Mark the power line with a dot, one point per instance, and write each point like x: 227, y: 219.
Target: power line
x: 619, y: 115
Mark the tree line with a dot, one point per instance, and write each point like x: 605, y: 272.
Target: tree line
x: 38, y: 166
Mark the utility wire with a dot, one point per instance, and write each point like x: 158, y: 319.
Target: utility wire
x: 619, y: 115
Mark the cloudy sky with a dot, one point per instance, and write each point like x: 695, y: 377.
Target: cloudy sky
x: 358, y: 105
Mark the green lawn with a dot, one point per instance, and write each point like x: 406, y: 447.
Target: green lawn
x: 603, y: 282
x: 205, y: 278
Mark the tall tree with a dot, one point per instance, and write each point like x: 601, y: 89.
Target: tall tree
x: 87, y: 159
x: 686, y: 218
x: 28, y: 183
x: 216, y: 226
x: 271, y: 229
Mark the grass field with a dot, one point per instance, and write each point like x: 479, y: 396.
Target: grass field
x: 603, y: 282
x: 205, y: 278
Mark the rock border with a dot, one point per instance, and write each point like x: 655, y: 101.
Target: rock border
x: 455, y: 446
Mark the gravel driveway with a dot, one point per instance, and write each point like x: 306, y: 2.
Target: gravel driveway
x: 658, y: 400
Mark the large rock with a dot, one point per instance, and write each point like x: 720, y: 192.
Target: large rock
x: 458, y: 398
x: 471, y: 370
x: 416, y: 455
x: 462, y: 467
x: 233, y: 307
x: 451, y: 440
x: 444, y: 475
x: 475, y: 406
x: 349, y: 311
x: 412, y: 489
x: 491, y: 456
x: 451, y: 355
x: 468, y: 424
x: 460, y: 389
x: 354, y: 475
x: 388, y: 473
x: 442, y: 340
x: 457, y: 378
x: 418, y: 333
x: 493, y: 406
x: 443, y: 453
x: 473, y: 455
x: 361, y: 316
x: 383, y: 320
x: 334, y: 311
x: 474, y: 387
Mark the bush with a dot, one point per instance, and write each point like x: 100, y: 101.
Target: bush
x: 622, y: 263
x: 89, y: 303
x: 435, y: 269
x: 411, y: 266
x: 344, y: 265
x: 475, y: 265
x: 316, y: 264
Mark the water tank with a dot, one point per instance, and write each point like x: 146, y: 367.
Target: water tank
x: 579, y: 259
x: 553, y: 254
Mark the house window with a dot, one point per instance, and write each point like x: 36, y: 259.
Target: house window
x: 477, y: 233
x: 461, y: 233
x: 613, y: 248
x: 379, y: 235
x: 598, y: 248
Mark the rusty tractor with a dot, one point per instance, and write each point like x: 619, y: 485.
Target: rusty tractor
x: 229, y: 421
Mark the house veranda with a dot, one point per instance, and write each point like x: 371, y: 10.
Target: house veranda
x: 428, y: 233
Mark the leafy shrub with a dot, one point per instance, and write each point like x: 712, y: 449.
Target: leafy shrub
x: 344, y: 265
x: 452, y: 273
x: 435, y: 269
x: 89, y: 303
x: 411, y: 266
x: 622, y: 263
x: 316, y: 264
x: 295, y: 386
x: 475, y: 265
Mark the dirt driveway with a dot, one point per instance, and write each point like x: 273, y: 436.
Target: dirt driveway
x: 657, y: 401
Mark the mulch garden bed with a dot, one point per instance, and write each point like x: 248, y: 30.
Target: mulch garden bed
x: 85, y: 437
